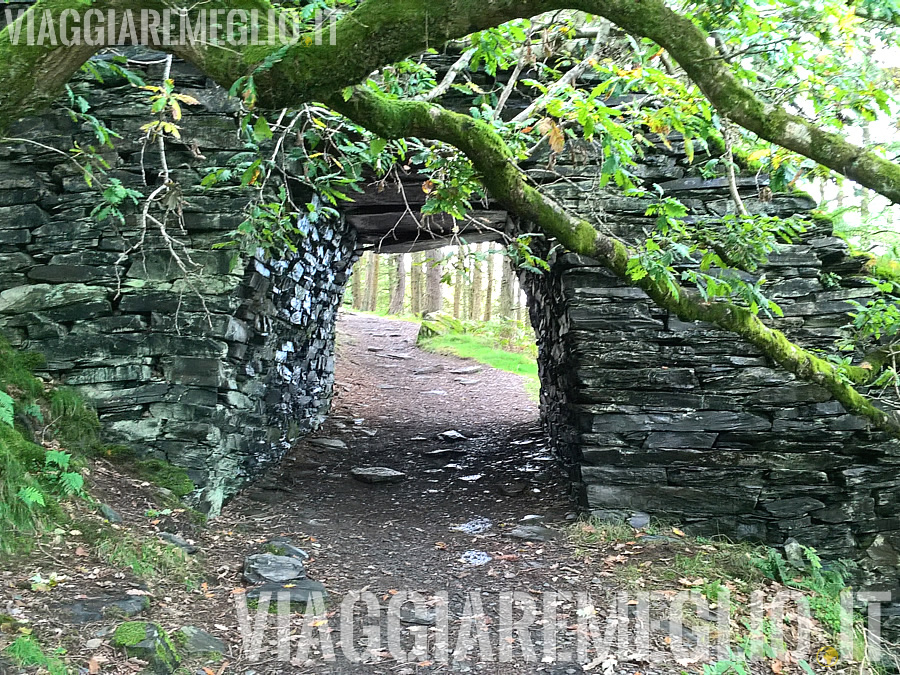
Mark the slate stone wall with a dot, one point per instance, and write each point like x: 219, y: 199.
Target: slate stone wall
x: 216, y: 374
x: 686, y: 421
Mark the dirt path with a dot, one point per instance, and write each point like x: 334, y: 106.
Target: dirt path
x: 392, y: 403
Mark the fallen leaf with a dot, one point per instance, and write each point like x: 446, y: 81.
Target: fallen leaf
x: 675, y: 530
x: 81, y: 551
x: 777, y: 666
x: 93, y: 666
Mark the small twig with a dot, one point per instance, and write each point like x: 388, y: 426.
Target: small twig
x: 510, y: 87
x: 566, y: 80
x: 461, y: 64
x: 727, y: 131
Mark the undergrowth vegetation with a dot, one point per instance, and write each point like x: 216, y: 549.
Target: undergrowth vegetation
x: 27, y: 652
x: 38, y: 426
x: 660, y: 557
x: 502, y: 344
x: 149, y: 559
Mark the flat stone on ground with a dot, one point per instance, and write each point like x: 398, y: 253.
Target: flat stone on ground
x: 470, y: 370
x: 377, y: 474
x: 532, y: 533
x: 302, y: 590
x: 91, y: 610
x: 194, y: 641
x: 328, y: 443
x: 268, y: 567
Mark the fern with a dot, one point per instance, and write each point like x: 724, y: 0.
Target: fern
x: 6, y: 409
x: 31, y: 496
x: 58, y: 458
x: 34, y: 410
x: 71, y: 483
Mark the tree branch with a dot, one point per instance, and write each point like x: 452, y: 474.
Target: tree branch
x: 496, y: 164
x: 461, y: 64
x: 380, y: 32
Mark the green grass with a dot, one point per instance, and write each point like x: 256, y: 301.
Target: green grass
x: 149, y: 559
x: 480, y: 349
x: 165, y: 475
x: 27, y: 653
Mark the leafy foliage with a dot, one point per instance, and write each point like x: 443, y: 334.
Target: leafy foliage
x: 6, y: 408
x: 34, y: 479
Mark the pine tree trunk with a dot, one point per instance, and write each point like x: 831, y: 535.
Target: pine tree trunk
x: 415, y: 286
x: 489, y: 294
x: 356, y: 280
x: 476, y: 290
x: 459, y: 280
x: 372, y: 278
x: 507, y: 284
x: 434, y: 299
x: 398, y: 292
x: 366, y: 301
x: 521, y: 305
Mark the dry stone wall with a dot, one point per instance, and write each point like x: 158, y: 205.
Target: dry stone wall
x: 214, y: 374
x: 686, y: 421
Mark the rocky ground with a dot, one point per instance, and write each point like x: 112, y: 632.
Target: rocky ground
x: 432, y: 478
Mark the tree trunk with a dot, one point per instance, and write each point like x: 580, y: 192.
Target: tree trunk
x: 507, y: 283
x: 372, y: 274
x: 521, y: 304
x: 476, y: 289
x: 434, y: 297
x: 489, y: 294
x: 398, y: 293
x: 459, y: 280
x: 366, y: 301
x: 416, y: 283
x: 356, y: 280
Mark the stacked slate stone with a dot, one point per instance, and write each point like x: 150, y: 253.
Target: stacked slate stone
x: 215, y: 374
x: 682, y: 419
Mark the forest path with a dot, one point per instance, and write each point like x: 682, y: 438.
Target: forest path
x: 392, y: 402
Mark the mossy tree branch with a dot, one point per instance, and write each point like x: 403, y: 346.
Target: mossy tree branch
x: 380, y: 32
x: 508, y: 185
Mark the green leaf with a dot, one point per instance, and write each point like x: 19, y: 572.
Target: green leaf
x: 31, y: 496
x: 261, y: 130
x: 6, y: 409
x: 58, y: 458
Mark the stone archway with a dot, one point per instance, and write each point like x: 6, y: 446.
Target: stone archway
x: 704, y: 429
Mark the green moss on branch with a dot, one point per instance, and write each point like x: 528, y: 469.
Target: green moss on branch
x: 507, y: 184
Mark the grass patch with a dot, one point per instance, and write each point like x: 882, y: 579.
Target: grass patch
x: 482, y: 350
x: 165, y: 475
x: 28, y: 653
x: 718, y: 563
x: 594, y: 531
x: 661, y: 558
x: 149, y: 559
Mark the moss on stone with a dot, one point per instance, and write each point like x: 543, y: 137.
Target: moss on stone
x: 150, y: 642
x: 130, y: 633
x: 165, y: 475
